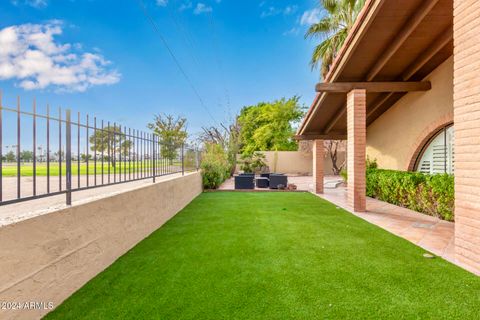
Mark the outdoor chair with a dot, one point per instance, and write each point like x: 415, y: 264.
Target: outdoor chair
x: 244, y: 181
x: 277, y: 180
x: 262, y: 182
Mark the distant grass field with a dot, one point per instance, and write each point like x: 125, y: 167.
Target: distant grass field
x: 26, y: 169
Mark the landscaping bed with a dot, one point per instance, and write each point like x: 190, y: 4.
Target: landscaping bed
x: 429, y: 194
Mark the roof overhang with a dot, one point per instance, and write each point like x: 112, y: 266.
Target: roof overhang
x: 392, y: 42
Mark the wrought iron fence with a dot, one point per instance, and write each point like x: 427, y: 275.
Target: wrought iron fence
x: 52, y: 154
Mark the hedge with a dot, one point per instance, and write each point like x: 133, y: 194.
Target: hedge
x: 429, y: 194
x: 215, y: 166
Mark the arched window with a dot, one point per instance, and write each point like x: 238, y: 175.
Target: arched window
x: 438, y: 154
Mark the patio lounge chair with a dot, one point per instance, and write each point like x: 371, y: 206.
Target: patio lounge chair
x: 277, y: 179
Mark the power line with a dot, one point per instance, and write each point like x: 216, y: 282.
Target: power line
x: 219, y: 61
x: 177, y: 62
x: 184, y: 31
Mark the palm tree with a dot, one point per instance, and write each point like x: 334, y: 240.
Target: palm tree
x: 333, y: 30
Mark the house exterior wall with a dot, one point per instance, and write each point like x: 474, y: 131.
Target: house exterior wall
x: 49, y: 257
x: 466, y: 34
x: 397, y: 135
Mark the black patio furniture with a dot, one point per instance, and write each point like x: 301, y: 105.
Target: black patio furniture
x: 245, y: 181
x: 278, y: 180
x: 265, y: 175
x: 262, y: 182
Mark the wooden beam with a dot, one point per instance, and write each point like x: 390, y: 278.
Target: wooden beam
x: 332, y: 136
x: 404, y: 32
x: 438, y: 44
x: 318, y: 101
x: 343, y: 87
x: 378, y: 103
x: 335, y: 119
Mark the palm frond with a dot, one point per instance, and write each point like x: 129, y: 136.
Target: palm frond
x: 333, y: 29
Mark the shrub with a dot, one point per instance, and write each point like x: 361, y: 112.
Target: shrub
x: 369, y: 164
x: 253, y: 163
x: 430, y: 194
x: 215, y: 166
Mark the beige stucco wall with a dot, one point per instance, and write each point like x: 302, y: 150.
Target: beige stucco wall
x: 49, y: 257
x: 393, y: 138
x: 296, y: 162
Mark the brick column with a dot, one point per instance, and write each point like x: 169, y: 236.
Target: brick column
x: 318, y: 159
x: 356, y: 144
x: 466, y: 109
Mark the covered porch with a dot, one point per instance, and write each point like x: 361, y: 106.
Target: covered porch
x: 389, y: 54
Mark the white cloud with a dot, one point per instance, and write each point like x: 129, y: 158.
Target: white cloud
x: 32, y: 3
x: 273, y: 11
x: 202, y: 8
x: 310, y: 17
x: 290, y: 10
x: 162, y: 3
x: 185, y: 6
x: 292, y: 32
x: 30, y: 55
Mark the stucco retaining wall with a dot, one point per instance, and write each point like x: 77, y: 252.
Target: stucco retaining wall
x: 47, y: 258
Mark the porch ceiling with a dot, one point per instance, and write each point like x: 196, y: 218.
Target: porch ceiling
x: 391, y: 41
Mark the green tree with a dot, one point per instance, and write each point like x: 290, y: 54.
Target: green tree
x: 10, y: 156
x: 111, y: 141
x: 84, y: 157
x: 26, y: 155
x: 269, y: 125
x: 332, y: 30
x: 172, y: 132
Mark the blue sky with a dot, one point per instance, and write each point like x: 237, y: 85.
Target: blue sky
x: 103, y: 57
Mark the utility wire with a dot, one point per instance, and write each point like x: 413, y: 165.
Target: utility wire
x: 219, y: 62
x: 183, y: 31
x: 170, y: 51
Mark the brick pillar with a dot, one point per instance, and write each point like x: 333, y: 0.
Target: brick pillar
x: 318, y: 159
x: 356, y: 144
x: 466, y: 109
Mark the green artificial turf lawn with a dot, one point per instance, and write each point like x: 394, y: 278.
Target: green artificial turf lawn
x: 236, y: 255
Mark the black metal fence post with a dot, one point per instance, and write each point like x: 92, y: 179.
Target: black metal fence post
x: 154, y: 158
x: 183, y: 159
x: 19, y: 194
x: 68, y: 157
x: 197, y: 165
